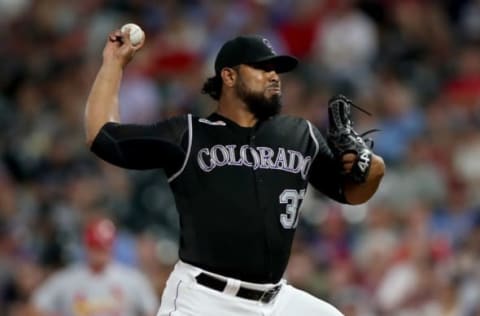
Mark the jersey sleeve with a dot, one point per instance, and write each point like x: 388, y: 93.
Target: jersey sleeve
x: 147, y: 301
x: 325, y: 174
x: 131, y: 146
x: 46, y: 298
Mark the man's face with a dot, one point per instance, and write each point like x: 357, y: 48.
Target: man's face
x: 260, y: 89
x: 98, y: 258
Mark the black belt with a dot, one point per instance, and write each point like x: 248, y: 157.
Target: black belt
x: 243, y: 292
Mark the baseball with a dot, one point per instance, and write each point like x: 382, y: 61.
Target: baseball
x: 136, y: 33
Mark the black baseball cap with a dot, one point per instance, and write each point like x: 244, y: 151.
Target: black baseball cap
x: 252, y: 50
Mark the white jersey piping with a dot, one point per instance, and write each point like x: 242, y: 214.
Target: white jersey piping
x: 317, y: 147
x: 190, y: 136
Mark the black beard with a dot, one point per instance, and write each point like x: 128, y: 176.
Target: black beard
x: 257, y: 103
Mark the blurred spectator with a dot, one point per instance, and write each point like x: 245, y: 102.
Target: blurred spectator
x: 345, y: 45
x: 462, y: 88
x: 299, y: 30
x: 401, y: 122
x: 100, y: 286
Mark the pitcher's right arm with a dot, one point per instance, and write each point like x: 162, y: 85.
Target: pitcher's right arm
x: 102, y: 102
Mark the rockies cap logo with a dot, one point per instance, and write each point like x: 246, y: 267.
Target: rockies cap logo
x: 269, y: 45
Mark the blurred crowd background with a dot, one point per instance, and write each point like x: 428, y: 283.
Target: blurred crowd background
x: 414, y: 249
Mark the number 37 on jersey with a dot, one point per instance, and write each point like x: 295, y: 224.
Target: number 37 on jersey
x: 291, y: 199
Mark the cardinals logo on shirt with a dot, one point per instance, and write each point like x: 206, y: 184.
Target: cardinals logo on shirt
x: 104, y: 305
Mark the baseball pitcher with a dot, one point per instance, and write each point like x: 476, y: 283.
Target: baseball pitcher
x: 238, y: 177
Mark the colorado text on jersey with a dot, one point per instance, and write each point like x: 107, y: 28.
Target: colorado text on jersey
x: 253, y: 157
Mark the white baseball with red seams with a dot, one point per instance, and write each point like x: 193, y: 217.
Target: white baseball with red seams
x: 136, y: 33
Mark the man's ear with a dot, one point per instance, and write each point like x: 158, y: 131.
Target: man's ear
x: 229, y: 76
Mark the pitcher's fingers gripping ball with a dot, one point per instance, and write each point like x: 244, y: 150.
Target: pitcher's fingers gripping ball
x: 137, y: 35
x: 120, y: 47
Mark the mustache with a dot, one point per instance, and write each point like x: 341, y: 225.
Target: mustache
x: 274, y: 85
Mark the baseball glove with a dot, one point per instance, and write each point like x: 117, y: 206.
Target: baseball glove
x: 343, y: 139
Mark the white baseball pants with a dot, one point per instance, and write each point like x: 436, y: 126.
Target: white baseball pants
x: 183, y: 296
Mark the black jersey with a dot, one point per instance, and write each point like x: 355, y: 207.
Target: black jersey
x: 237, y: 190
